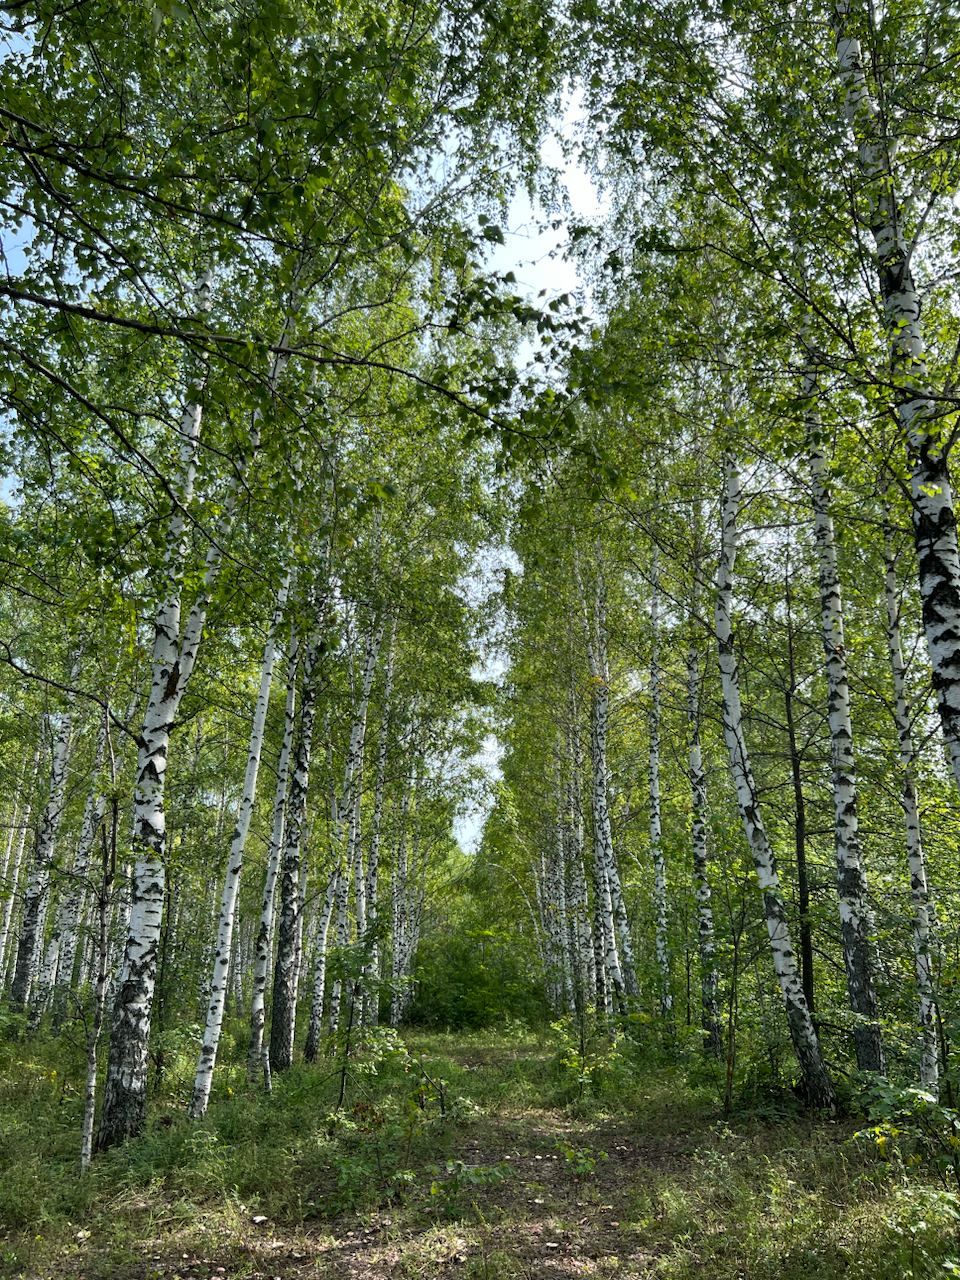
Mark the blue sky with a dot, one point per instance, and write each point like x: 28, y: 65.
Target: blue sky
x: 536, y: 258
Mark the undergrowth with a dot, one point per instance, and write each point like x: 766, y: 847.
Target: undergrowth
x: 475, y: 1155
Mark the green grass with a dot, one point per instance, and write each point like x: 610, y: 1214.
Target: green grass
x: 468, y: 1156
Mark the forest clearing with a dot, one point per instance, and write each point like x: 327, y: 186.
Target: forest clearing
x: 479, y: 638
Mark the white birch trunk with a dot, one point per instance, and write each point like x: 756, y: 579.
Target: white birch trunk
x: 371, y: 997
x: 14, y: 871
x: 619, y: 970
x: 411, y: 912
x: 101, y: 951
x: 399, y: 924
x: 588, y: 944
x: 320, y: 967
x: 286, y: 972
x: 851, y: 878
x: 37, y: 896
x: 10, y: 877
x: 173, y: 660
x: 709, y: 978
x: 656, y: 830
x: 581, y: 933
x: 353, y: 854
x: 203, y: 1080
x: 564, y: 954
x: 923, y: 936
x: 817, y: 1086
x: 263, y: 945
x: 340, y: 938
x: 12, y: 829
x: 66, y: 929
x: 934, y: 516
x: 10, y: 873
x: 124, y: 1103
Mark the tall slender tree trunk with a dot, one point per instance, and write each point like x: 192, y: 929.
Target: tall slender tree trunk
x: 341, y: 908
x: 851, y: 877
x: 10, y: 871
x: 37, y: 896
x: 656, y: 831
x: 816, y: 1083
x: 173, y: 658
x: 934, y: 514
x: 923, y: 924
x: 13, y: 827
x: 287, y: 969
x: 263, y: 945
x: 62, y: 948
x: 371, y: 997
x: 619, y: 963
x: 413, y: 916
x: 585, y: 977
x: 203, y: 1079
x: 805, y: 928
x: 709, y: 978
x: 564, y: 952
x: 398, y: 903
x: 320, y: 967
x: 353, y: 772
x: 15, y: 863
x: 101, y: 952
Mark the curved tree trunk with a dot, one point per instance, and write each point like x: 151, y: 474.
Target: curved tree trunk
x: 203, y: 1080
x: 816, y: 1083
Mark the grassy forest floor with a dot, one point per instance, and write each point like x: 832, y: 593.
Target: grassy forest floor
x: 471, y: 1157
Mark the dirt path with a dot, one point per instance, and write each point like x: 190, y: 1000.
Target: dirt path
x: 533, y: 1193
x: 515, y: 1183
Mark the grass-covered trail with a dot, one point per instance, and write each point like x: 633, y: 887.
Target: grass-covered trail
x: 461, y: 1157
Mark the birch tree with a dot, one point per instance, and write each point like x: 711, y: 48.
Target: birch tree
x: 817, y: 1085
x: 851, y: 878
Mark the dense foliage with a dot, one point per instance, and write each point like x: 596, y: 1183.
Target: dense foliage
x: 320, y: 533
